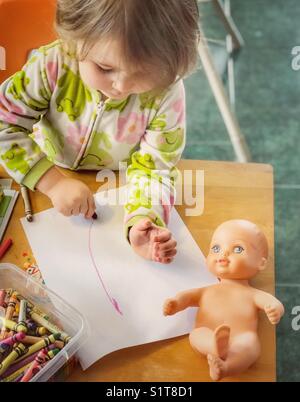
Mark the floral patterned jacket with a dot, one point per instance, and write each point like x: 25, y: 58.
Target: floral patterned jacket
x: 48, y: 116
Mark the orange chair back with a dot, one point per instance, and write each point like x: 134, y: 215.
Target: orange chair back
x: 24, y: 25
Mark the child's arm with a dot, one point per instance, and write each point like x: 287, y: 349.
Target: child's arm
x: 152, y: 172
x: 270, y: 305
x: 24, y: 98
x: 187, y: 298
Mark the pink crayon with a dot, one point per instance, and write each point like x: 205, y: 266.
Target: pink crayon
x: 2, y: 298
x: 13, y: 339
x: 35, y: 366
x: 7, y: 343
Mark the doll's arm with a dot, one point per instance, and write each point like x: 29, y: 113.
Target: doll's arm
x: 187, y: 298
x: 270, y: 305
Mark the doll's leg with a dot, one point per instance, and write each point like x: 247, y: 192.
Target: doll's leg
x: 244, y: 350
x: 206, y: 341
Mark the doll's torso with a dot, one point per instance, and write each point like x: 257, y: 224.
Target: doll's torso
x: 229, y: 304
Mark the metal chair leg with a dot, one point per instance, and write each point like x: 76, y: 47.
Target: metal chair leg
x: 229, y: 24
x: 237, y: 139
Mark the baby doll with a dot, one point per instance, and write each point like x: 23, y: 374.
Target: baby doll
x: 226, y: 322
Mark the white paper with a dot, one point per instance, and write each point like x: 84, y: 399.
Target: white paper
x: 90, y: 264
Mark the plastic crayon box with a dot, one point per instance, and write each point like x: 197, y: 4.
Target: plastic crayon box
x: 35, y: 323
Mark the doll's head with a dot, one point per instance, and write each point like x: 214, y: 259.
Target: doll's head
x: 130, y: 46
x: 238, y: 250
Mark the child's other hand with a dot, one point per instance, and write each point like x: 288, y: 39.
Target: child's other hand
x: 152, y: 242
x: 170, y: 307
x: 68, y: 196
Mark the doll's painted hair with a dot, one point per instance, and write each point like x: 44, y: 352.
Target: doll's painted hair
x: 159, y: 33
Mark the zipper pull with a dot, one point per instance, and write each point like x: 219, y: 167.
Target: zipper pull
x: 100, y: 106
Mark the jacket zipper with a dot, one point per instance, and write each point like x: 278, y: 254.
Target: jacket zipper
x: 100, y: 110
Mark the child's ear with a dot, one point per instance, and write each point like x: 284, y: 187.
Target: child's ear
x: 263, y: 264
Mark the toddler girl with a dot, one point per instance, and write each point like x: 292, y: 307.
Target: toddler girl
x: 109, y: 90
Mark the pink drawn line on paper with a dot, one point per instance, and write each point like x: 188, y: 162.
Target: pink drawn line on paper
x: 111, y: 299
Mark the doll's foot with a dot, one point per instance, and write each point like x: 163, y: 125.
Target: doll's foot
x: 216, y: 367
x: 222, y: 335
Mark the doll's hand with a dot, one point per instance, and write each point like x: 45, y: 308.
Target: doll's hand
x: 170, y: 307
x: 152, y: 242
x: 68, y: 196
x: 274, y: 313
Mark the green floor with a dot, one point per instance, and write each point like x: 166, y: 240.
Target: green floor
x: 267, y: 92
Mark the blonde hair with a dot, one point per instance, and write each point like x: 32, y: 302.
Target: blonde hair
x: 157, y: 33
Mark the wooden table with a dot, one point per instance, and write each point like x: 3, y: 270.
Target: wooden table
x: 232, y: 190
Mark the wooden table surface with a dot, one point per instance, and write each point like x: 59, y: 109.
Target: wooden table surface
x: 231, y: 191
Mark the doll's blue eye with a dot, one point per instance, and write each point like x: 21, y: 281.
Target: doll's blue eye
x: 238, y: 249
x: 216, y: 249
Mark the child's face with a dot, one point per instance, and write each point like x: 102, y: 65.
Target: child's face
x: 235, y: 253
x: 104, y: 71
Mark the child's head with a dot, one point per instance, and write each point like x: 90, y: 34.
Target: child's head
x: 131, y: 46
x: 238, y: 250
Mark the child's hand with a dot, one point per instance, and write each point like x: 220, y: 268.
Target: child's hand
x: 72, y: 197
x: 152, y: 242
x: 68, y: 196
x: 274, y: 313
x: 170, y: 307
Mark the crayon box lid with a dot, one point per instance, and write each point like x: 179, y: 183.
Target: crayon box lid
x: 60, y: 312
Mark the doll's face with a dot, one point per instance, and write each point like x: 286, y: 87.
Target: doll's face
x: 235, y: 252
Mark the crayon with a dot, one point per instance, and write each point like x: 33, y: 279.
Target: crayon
x: 40, y: 345
x: 31, y: 340
x: 13, y: 376
x: 9, y: 313
x: 16, y: 327
x: 9, y: 292
x: 17, y: 352
x: 39, y: 362
x: 38, y: 331
x: 11, y: 306
x: 8, y: 343
x: 31, y: 325
x: 27, y: 205
x: 6, y: 300
x: 35, y: 366
x: 13, y: 339
x: 29, y: 304
x: 41, y: 313
x: 50, y: 326
x: 20, y: 363
x: 34, y: 330
x: 18, y: 379
x: 22, y: 313
x: 53, y: 353
x: 2, y: 298
x: 15, y: 316
x: 4, y: 350
x: 4, y: 246
x: 59, y: 344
